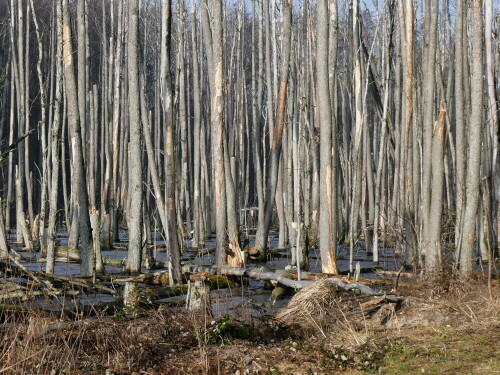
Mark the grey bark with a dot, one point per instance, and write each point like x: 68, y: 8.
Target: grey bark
x: 79, y: 180
x: 474, y: 136
x: 328, y: 243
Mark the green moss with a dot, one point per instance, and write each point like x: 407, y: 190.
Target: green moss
x: 178, y: 290
x: 66, y: 248
x: 226, y: 328
x: 220, y: 282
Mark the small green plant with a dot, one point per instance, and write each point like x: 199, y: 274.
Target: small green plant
x: 119, y: 314
x: 226, y: 328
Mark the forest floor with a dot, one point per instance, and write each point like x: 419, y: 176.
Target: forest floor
x: 445, y: 328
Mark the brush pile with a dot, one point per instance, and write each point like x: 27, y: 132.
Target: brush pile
x: 323, y: 305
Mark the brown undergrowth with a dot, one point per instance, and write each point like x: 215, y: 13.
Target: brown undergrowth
x: 323, y: 330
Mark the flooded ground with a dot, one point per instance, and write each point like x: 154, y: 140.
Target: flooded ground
x: 435, y: 328
x: 247, y: 301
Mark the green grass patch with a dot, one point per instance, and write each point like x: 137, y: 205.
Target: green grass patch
x: 444, y: 353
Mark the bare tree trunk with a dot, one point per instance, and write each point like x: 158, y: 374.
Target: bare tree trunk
x: 261, y: 237
x: 198, y: 234
x: 4, y: 247
x: 474, y: 137
x: 386, y: 62
x: 460, y: 56
x: 328, y: 244
x: 82, y: 108
x: 426, y: 247
x: 357, y: 161
x: 167, y: 102
x: 55, y: 139
x: 135, y: 245
x: 79, y: 180
x: 43, y: 117
x: 257, y: 99
x: 492, y: 116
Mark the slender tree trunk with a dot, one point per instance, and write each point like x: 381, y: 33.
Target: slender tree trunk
x: 79, y: 180
x: 426, y: 246
x: 167, y: 103
x: 474, y: 136
x: 460, y: 157
x: 55, y: 139
x: 276, y: 144
x: 135, y: 245
x: 328, y: 244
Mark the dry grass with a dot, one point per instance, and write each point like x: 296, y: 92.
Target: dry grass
x: 343, y: 316
x: 39, y: 344
x: 344, y: 333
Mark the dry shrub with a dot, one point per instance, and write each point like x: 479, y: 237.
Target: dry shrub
x: 90, y: 346
x: 460, y: 304
x: 320, y: 306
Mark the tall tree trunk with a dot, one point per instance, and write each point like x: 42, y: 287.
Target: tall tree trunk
x: 474, y: 136
x: 276, y: 143
x: 327, y: 243
x: 79, y: 180
x: 55, y: 148
x: 135, y: 152
x: 426, y: 246
x: 167, y: 102
x: 461, y: 149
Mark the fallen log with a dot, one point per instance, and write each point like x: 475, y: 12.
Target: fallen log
x: 295, y: 284
x: 44, y: 280
x: 114, y: 262
x: 160, y: 277
x: 47, y: 288
x: 84, y: 283
x: 395, y: 273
